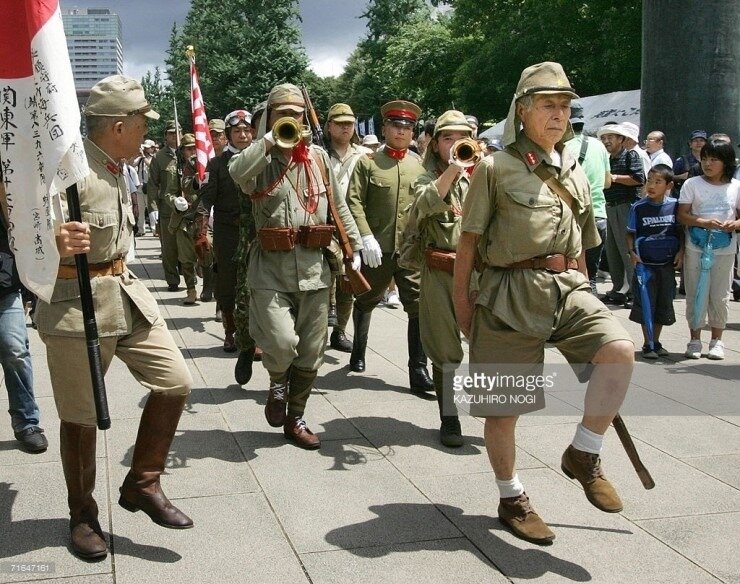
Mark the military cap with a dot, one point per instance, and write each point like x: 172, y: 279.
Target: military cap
x: 171, y: 126
x: 452, y: 121
x: 187, y: 140
x: 149, y: 144
x: 576, y: 113
x: 401, y: 111
x: 472, y: 120
x: 118, y: 96
x: 341, y: 112
x: 286, y: 96
x: 216, y: 125
x: 237, y: 117
x: 259, y: 109
x: 547, y: 78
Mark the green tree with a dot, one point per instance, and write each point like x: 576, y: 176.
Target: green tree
x: 242, y: 50
x: 159, y: 96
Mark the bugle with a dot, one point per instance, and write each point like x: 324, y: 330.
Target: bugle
x: 466, y: 152
x: 288, y: 132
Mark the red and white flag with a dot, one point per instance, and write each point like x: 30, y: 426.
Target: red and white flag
x: 41, y: 150
x: 203, y: 144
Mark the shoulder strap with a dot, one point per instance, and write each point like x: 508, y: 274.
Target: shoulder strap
x: 584, y: 147
x: 546, y: 177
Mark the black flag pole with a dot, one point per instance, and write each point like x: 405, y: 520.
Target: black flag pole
x: 88, y: 317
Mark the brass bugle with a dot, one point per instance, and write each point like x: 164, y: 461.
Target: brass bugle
x: 467, y: 152
x: 288, y: 132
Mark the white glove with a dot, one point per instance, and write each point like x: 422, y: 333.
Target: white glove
x: 372, y: 255
x: 181, y: 203
x: 456, y: 163
x: 270, y: 138
x: 356, y: 261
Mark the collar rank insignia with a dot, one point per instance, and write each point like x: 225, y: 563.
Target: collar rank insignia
x: 531, y: 158
x: 112, y: 167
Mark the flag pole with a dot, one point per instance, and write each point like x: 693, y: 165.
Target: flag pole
x: 88, y: 316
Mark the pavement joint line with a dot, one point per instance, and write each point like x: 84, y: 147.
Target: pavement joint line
x: 687, y: 516
x: 670, y: 547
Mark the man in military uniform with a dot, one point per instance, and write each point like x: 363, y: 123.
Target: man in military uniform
x: 344, y: 152
x: 220, y: 193
x: 217, y: 128
x: 380, y: 193
x: 437, y: 214
x: 183, y: 204
x: 534, y: 288
x: 129, y: 323
x: 288, y: 274
x: 162, y: 172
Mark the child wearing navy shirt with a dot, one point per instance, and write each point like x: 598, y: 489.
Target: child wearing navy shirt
x: 655, y: 239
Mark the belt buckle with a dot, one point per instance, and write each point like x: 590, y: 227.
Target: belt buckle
x: 554, y: 270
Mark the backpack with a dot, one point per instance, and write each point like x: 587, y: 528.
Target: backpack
x: 413, y: 242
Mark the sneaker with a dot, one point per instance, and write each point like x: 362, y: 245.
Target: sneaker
x: 393, y: 301
x: 660, y: 350
x: 693, y: 349
x: 648, y: 353
x: 716, y: 350
x: 32, y: 439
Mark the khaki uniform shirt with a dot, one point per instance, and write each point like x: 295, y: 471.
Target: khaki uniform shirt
x: 440, y: 225
x: 380, y: 193
x: 344, y: 167
x: 106, y: 207
x: 299, y: 269
x: 162, y: 170
x: 519, y: 218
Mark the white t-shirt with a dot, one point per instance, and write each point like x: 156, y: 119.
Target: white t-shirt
x: 710, y: 201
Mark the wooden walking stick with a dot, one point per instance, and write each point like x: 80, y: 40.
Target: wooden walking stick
x: 629, y: 446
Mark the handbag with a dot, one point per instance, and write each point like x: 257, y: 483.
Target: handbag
x: 701, y: 237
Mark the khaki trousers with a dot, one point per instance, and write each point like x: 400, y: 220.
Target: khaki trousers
x: 149, y: 352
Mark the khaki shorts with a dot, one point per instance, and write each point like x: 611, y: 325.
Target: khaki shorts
x: 582, y: 326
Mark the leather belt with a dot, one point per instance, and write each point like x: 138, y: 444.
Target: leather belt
x: 622, y: 201
x: 556, y: 263
x: 112, y: 268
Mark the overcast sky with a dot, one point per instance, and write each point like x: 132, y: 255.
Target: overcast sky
x: 331, y: 30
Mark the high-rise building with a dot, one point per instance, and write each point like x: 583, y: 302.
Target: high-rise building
x: 94, y: 44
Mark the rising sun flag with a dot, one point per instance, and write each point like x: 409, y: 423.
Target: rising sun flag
x: 203, y: 145
x: 41, y: 150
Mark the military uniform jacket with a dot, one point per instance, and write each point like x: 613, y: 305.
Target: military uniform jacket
x: 106, y: 207
x: 162, y: 170
x: 380, y: 192
x: 299, y: 269
x: 344, y: 167
x: 519, y: 218
x: 222, y: 193
x: 439, y: 219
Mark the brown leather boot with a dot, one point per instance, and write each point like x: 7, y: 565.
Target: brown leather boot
x: 277, y: 400
x: 229, y: 330
x: 191, y: 298
x: 141, y: 488
x: 586, y: 469
x: 517, y: 514
x: 77, y: 446
x: 295, y: 430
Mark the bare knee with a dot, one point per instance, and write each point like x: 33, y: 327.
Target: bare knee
x: 621, y: 352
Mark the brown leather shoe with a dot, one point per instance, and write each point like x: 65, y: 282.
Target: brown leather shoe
x: 586, y: 469
x: 517, y: 514
x: 295, y: 430
x: 229, y: 342
x: 277, y: 399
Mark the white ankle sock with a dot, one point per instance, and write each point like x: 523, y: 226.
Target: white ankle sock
x: 587, y: 441
x: 511, y: 488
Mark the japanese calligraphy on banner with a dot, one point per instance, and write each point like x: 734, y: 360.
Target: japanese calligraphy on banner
x: 41, y: 150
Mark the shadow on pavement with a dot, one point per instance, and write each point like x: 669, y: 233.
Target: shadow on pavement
x: 29, y: 535
x: 512, y: 561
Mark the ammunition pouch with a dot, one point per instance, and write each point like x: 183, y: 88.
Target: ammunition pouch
x: 438, y: 259
x: 315, y: 236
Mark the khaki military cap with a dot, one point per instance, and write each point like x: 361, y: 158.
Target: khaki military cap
x: 547, y: 77
x: 149, y: 144
x: 452, y: 121
x: 216, y: 125
x: 171, y: 126
x: 401, y: 111
x: 341, y: 112
x: 187, y: 140
x: 286, y: 97
x: 118, y: 96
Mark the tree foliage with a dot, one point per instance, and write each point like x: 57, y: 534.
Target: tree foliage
x: 159, y: 96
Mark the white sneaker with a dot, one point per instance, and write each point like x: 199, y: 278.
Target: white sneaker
x: 716, y: 350
x: 693, y: 349
x: 393, y: 300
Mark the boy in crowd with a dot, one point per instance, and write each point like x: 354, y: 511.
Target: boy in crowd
x: 655, y: 240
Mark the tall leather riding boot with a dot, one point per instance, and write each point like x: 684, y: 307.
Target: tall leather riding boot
x: 141, y: 488
x: 419, y: 380
x: 450, y: 433
x: 361, y: 321
x: 229, y: 330
x: 77, y: 446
